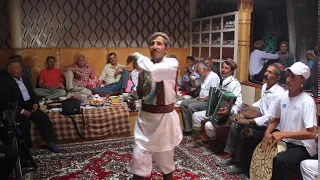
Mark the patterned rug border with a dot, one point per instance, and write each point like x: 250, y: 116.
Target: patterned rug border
x: 207, y: 163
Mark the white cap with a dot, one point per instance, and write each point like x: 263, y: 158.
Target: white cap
x: 300, y: 68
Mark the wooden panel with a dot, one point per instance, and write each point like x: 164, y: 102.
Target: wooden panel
x: 96, y: 57
x: 204, y: 52
x: 215, y: 53
x: 181, y: 54
x: 35, y: 59
x: 5, y: 54
x: 257, y: 95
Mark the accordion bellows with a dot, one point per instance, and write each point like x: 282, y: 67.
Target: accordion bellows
x: 219, y: 98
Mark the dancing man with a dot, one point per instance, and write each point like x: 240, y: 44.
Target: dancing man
x: 157, y: 130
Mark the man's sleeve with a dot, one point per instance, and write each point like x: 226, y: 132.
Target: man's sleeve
x: 91, y: 71
x: 237, y: 92
x: 164, y: 70
x: 266, y: 55
x: 215, y: 81
x: 275, y: 111
x: 309, y: 114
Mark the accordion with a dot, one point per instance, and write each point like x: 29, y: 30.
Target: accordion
x: 219, y: 98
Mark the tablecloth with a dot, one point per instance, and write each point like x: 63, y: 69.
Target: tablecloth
x: 98, y: 123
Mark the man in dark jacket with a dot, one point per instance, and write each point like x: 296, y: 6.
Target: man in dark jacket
x: 17, y: 90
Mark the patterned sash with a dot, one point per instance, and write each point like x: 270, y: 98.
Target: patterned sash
x: 153, y: 95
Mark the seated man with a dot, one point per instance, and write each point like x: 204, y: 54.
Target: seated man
x: 51, y: 81
x: 208, y: 61
x: 114, y: 76
x: 26, y: 71
x: 235, y: 143
x: 229, y: 83
x: 259, y: 61
x: 312, y: 58
x: 286, y: 57
x: 294, y: 114
x: 19, y: 91
x: 77, y: 77
x: 189, y: 106
x: 189, y: 72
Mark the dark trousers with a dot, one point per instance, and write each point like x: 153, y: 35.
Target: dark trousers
x: 259, y: 76
x: 42, y: 121
x: 114, y: 87
x: 284, y: 162
x: 8, y: 162
x: 249, y: 145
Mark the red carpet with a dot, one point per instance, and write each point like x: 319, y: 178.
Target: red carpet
x: 109, y: 159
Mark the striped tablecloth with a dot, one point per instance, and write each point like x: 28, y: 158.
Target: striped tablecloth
x: 99, y: 123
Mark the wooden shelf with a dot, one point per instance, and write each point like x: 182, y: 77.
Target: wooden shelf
x: 212, y: 28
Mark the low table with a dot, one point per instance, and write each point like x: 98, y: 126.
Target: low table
x: 99, y: 123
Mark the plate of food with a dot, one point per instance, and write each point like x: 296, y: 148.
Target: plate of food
x: 96, y: 103
x: 115, y: 100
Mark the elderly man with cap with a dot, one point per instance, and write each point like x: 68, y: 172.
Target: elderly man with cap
x: 229, y: 83
x: 259, y: 61
x: 157, y: 130
x: 18, y: 92
x: 241, y: 154
x: 294, y: 115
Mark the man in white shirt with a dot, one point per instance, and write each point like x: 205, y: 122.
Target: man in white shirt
x: 309, y: 169
x: 157, y: 130
x: 259, y: 61
x: 114, y: 76
x: 189, y: 106
x: 236, y: 139
x: 294, y: 114
x: 229, y: 83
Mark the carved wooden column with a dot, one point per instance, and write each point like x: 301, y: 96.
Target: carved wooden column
x: 245, y: 8
x: 15, y: 25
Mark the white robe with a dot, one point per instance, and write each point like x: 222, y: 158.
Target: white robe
x: 158, y: 132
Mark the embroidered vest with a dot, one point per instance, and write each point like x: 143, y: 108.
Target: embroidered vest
x: 153, y: 95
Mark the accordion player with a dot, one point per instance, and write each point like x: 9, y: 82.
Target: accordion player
x: 219, y: 98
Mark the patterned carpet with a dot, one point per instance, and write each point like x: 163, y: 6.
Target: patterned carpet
x: 108, y: 159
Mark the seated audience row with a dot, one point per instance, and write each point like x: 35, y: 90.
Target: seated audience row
x: 53, y: 83
x: 271, y: 121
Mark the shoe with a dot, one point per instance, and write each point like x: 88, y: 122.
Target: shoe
x: 233, y: 169
x: 53, y: 147
x: 207, y: 152
x: 225, y: 162
x: 194, y: 144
